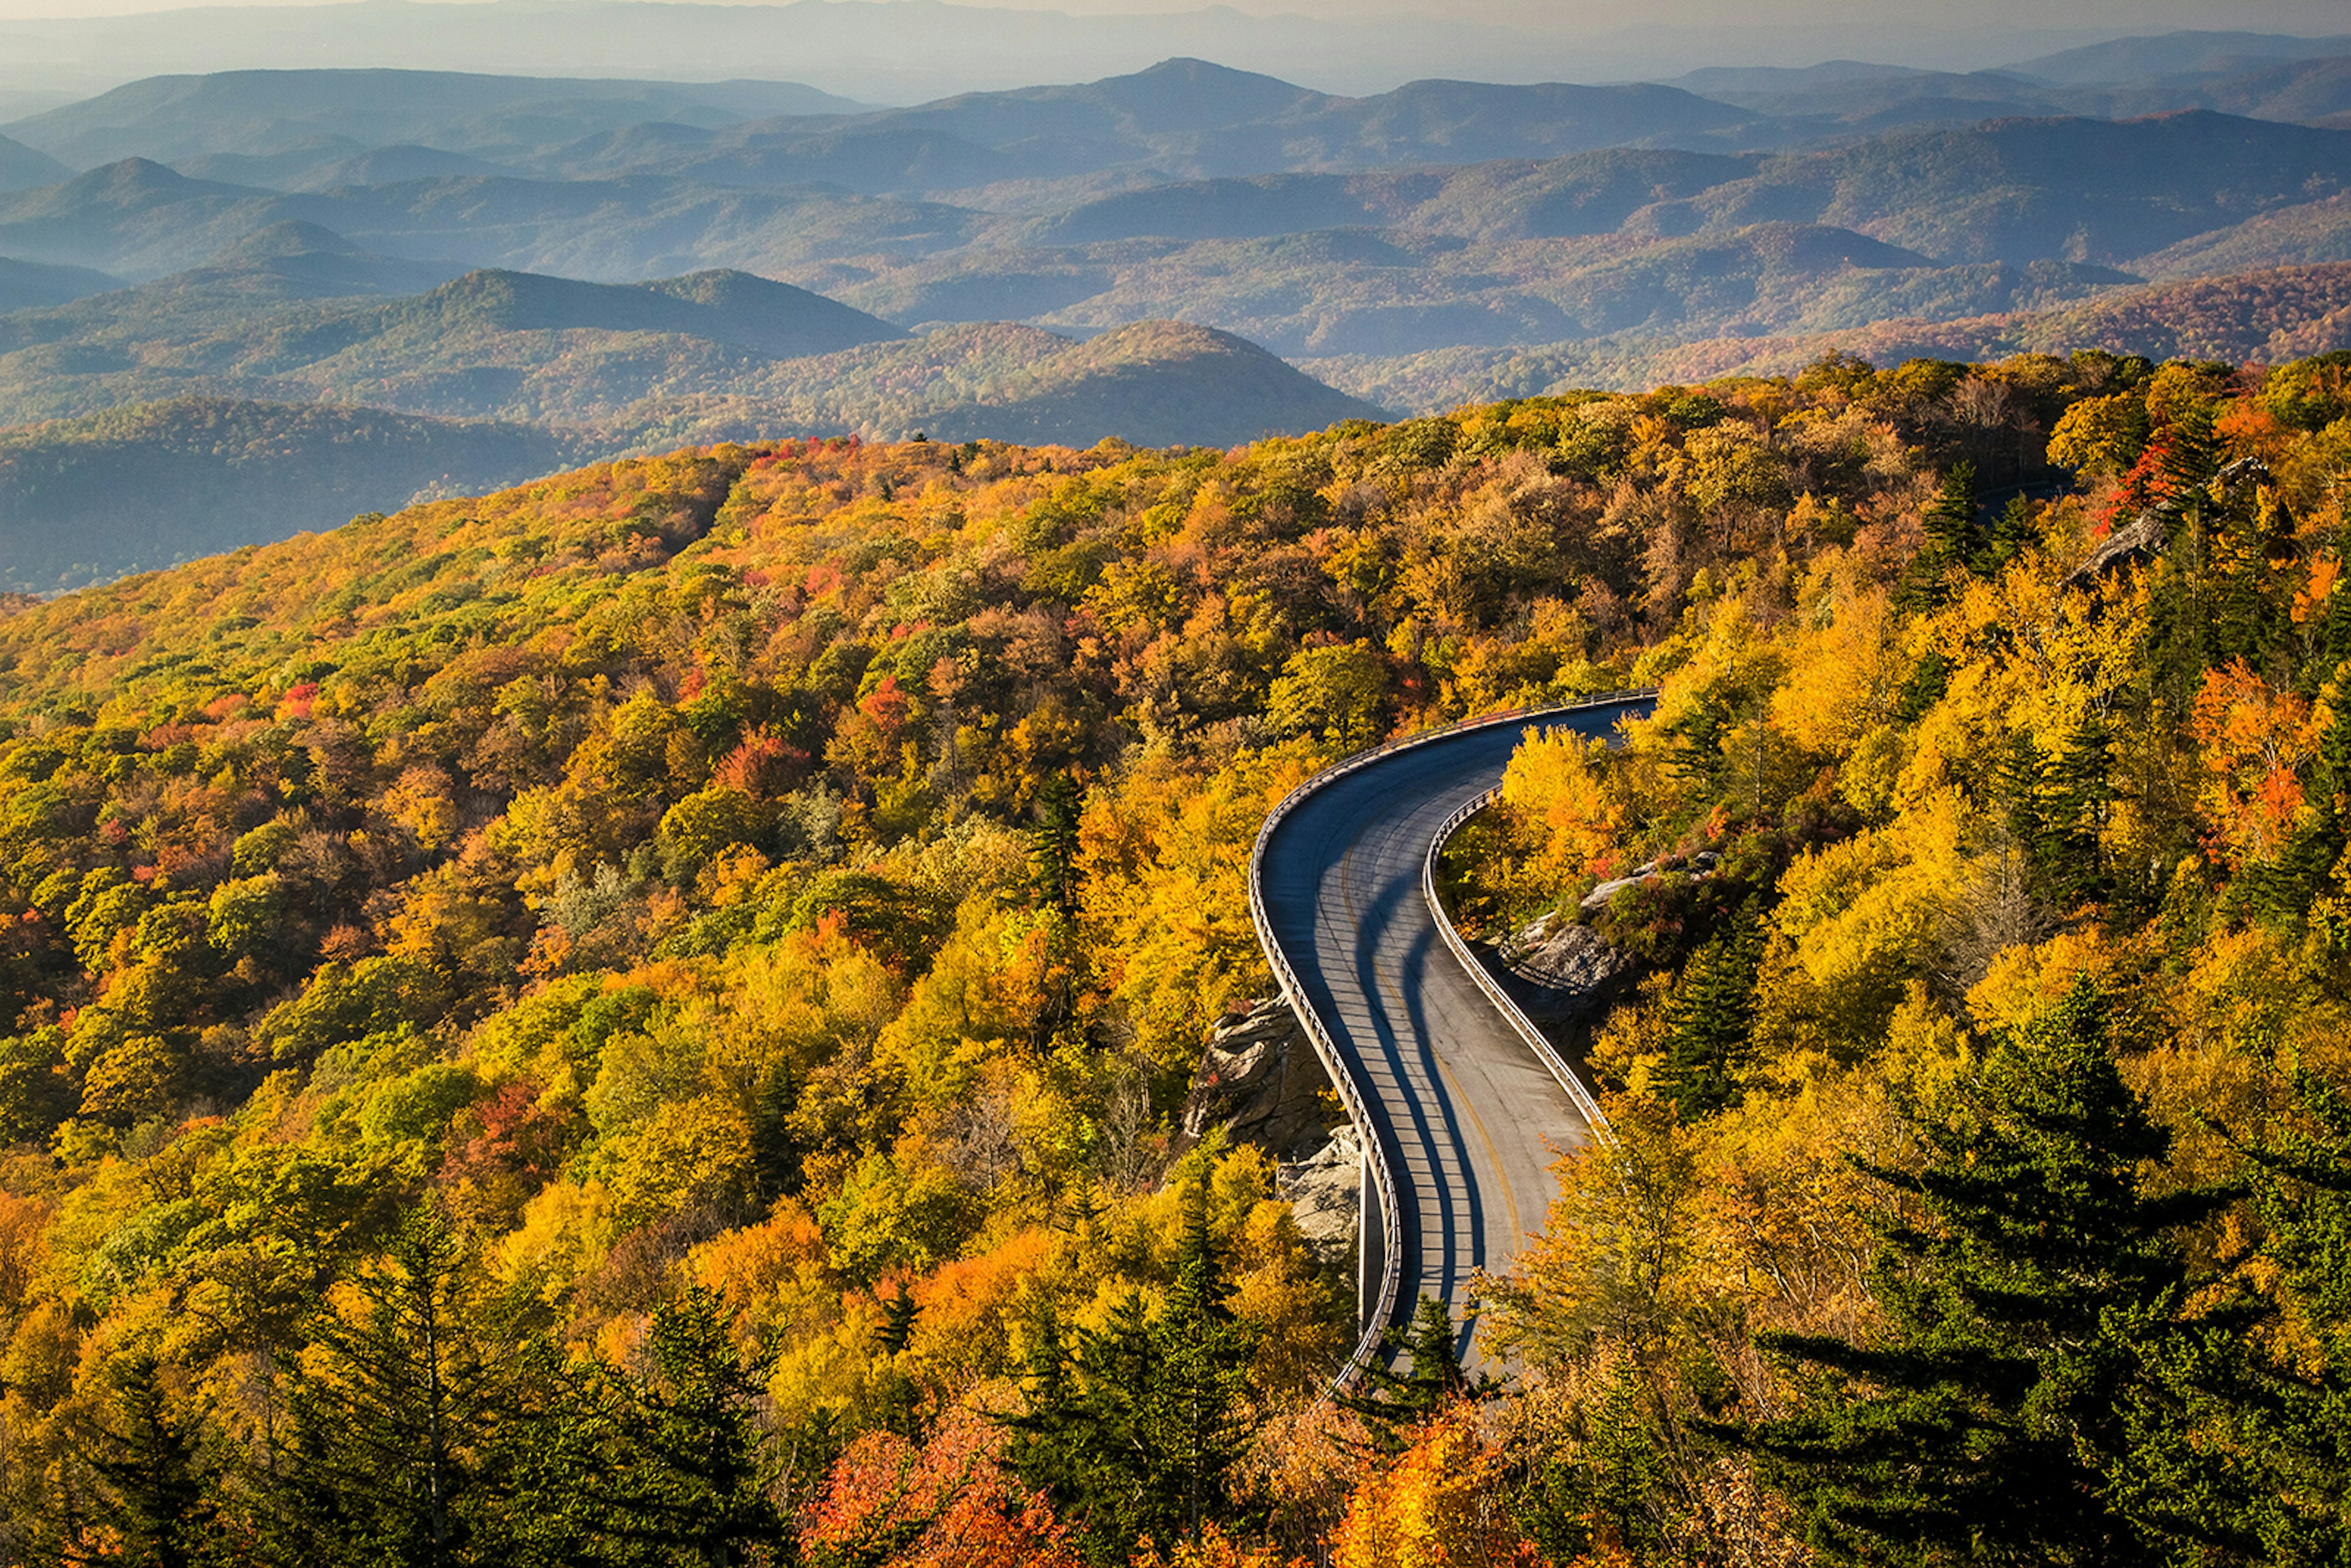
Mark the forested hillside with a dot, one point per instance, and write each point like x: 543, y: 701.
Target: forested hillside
x: 77, y: 496
x: 631, y: 266
x: 84, y: 500
x: 2266, y: 317
x: 642, y: 1017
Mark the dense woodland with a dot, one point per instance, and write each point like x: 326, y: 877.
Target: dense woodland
x: 637, y: 1019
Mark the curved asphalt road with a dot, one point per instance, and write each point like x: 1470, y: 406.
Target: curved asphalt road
x: 1469, y: 1117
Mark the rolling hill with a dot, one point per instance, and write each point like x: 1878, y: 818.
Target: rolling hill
x: 1900, y: 225
x: 325, y: 115
x: 135, y: 489
x: 632, y: 264
x: 28, y: 284
x: 22, y: 167
x: 488, y: 344
x: 2263, y: 318
x: 143, y: 486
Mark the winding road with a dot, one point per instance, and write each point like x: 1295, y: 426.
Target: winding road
x: 1461, y: 1114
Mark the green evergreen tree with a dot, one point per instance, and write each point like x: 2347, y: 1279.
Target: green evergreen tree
x: 388, y: 1427
x: 898, y: 1314
x: 1135, y: 1431
x: 1710, y: 1019
x: 1198, y: 1409
x: 2054, y: 806
x: 1392, y: 1403
x: 2241, y: 1446
x: 2285, y: 889
x: 556, y: 1461
x: 1988, y: 1425
x: 1053, y: 844
x: 899, y: 1398
x: 694, y: 1473
x: 2011, y: 532
x: 775, y: 1146
x: 1953, y: 541
x: 153, y: 1495
x: 1601, y: 1490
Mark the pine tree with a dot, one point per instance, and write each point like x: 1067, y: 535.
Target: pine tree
x: 1195, y: 1413
x: 1710, y: 1018
x: 1135, y: 1430
x: 389, y: 1426
x: 2010, y: 533
x: 2241, y: 1448
x: 694, y: 1467
x: 2054, y: 806
x: 1600, y: 1491
x: 1053, y: 844
x: 1392, y: 1403
x: 898, y: 1397
x: 898, y: 1314
x: 775, y: 1147
x: 1989, y: 1423
x: 557, y: 1460
x: 153, y: 1497
x: 2285, y: 890
x: 1953, y: 541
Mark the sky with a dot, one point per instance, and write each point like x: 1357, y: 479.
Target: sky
x: 905, y: 51
x: 1603, y: 18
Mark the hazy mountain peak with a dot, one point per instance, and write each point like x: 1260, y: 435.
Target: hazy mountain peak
x: 1189, y: 94
x: 2172, y: 54
x: 137, y: 182
x: 22, y: 167
x: 292, y: 237
x: 719, y: 306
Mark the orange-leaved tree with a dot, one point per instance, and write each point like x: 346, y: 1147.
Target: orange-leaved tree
x: 1441, y: 1505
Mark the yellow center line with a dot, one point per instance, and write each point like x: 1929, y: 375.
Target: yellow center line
x: 1493, y: 1156
x: 1388, y: 984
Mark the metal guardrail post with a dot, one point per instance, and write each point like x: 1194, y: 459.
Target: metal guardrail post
x: 1545, y: 1052
x: 1351, y: 1092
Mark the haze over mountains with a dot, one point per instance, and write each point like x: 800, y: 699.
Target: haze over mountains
x: 909, y: 51
x: 615, y: 264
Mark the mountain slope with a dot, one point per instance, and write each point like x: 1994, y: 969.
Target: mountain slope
x: 2264, y: 318
x: 253, y: 112
x: 488, y: 344
x: 144, y: 488
x: 21, y: 167
x: 2172, y: 54
x: 28, y: 285
x: 733, y: 309
x: 77, y: 498
x: 1156, y: 383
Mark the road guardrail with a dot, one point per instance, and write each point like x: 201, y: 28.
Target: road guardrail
x: 1352, y: 1093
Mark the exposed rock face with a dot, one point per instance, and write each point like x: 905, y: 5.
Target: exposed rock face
x: 2141, y: 538
x: 1261, y: 1082
x: 1565, y: 972
x: 1326, y: 1193
x: 1700, y: 863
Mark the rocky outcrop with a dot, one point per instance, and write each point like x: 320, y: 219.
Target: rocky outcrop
x: 1261, y: 1082
x: 1326, y: 1192
x: 1700, y: 864
x: 2142, y: 539
x: 1563, y: 973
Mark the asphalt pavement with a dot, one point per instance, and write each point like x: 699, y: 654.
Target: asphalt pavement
x: 1470, y: 1118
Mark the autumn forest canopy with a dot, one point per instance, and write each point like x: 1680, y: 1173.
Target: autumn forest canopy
x: 648, y: 1018
x: 299, y: 293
